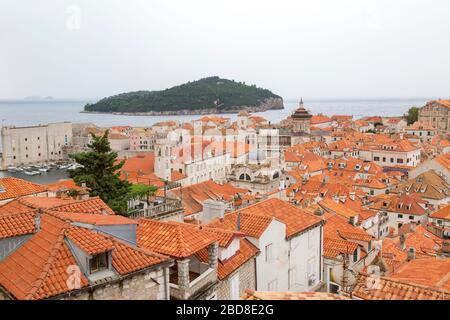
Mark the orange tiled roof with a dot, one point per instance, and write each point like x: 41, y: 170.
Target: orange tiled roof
x: 169, y: 123
x: 257, y: 217
x: 341, y: 209
x: 11, y: 188
x: 93, y: 205
x: 443, y: 213
x: 383, y: 288
x: 425, y: 243
x: 320, y: 119
x: 93, y: 219
x: 392, y: 254
x: 290, y: 156
x: 89, y: 241
x: 295, y: 219
x: 444, y: 160
x: 44, y: 202
x: 406, y: 204
x: 332, y: 248
x: 246, y: 251
x: 38, y: 268
x: 251, y: 225
x: 428, y: 185
x: 143, y: 163
x: 271, y: 295
x: 174, y: 239
x: 127, y: 259
x: 194, y: 195
x: 338, y: 227
x: 63, y: 184
x: 445, y: 103
x: 12, y: 225
x: 429, y: 272
x: 14, y: 206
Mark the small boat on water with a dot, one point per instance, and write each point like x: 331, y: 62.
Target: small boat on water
x: 32, y: 173
x: 43, y: 169
x: 27, y: 168
x: 12, y: 169
x: 18, y: 169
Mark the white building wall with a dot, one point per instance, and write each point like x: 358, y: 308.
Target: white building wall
x: 35, y: 144
x: 293, y: 261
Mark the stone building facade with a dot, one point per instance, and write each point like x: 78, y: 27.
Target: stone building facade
x: 35, y: 144
x: 245, y: 276
x: 437, y: 114
x: 149, y: 284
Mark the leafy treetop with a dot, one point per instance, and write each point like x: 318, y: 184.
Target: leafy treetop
x: 100, y: 172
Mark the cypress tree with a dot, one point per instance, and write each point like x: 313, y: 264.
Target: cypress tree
x: 100, y: 171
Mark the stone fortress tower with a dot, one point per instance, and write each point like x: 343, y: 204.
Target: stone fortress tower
x: 163, y: 151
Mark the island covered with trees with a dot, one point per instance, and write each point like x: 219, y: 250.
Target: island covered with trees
x: 207, y: 95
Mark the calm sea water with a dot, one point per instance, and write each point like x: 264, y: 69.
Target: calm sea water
x: 26, y: 113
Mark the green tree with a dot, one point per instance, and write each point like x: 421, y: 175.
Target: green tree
x: 100, y: 171
x: 142, y: 191
x: 412, y: 115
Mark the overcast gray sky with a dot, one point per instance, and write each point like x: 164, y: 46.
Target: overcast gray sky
x: 314, y: 49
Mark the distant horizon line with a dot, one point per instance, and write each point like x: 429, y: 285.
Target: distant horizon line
x: 53, y: 99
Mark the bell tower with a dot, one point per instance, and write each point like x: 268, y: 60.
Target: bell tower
x: 163, y: 151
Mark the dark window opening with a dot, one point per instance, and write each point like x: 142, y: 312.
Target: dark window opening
x: 98, y: 262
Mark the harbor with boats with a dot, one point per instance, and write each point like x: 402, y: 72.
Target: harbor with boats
x: 42, y: 173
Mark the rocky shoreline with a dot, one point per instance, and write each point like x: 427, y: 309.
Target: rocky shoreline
x: 267, y: 104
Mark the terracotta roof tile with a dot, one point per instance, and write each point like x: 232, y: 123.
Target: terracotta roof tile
x: 429, y: 272
x: 174, y: 239
x: 270, y: 295
x: 194, y: 195
x: 38, y: 268
x: 225, y: 268
x: 337, y: 227
x: 11, y: 188
x: 93, y: 219
x: 341, y: 209
x: 63, y: 184
x: 443, y: 213
x: 444, y: 160
x: 13, y: 225
x: 93, y: 205
x: 332, y: 248
x: 37, y: 263
x: 127, y: 259
x: 89, y: 241
x: 383, y: 288
x: 256, y: 218
x: 251, y: 225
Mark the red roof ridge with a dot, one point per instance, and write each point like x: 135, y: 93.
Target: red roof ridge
x: 412, y: 284
x: 48, y: 264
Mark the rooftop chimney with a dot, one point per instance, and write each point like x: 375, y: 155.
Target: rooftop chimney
x: 402, y: 242
x: 411, y: 254
x: 37, y: 219
x: 238, y: 223
x: 104, y: 211
x: 212, y: 209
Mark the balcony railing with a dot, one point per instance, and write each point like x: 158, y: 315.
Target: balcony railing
x: 196, y: 286
x: 171, y: 206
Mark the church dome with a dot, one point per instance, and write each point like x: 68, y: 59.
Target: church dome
x: 301, y: 112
